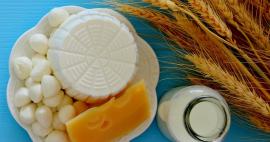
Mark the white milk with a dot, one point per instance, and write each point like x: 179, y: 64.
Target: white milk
x: 193, y: 114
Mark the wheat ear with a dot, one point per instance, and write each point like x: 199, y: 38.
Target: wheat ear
x: 211, y: 18
x: 237, y: 88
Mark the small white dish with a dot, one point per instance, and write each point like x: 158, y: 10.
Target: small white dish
x: 148, y: 67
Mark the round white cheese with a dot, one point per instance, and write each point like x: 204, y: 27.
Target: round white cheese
x: 93, y: 55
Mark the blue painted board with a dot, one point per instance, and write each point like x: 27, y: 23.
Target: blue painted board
x: 17, y: 16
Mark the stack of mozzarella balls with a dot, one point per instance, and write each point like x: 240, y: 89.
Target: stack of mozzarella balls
x: 41, y: 102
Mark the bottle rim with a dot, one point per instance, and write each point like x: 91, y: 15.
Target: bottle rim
x: 215, y: 137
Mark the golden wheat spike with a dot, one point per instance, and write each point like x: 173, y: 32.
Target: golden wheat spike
x: 211, y: 18
x: 236, y: 87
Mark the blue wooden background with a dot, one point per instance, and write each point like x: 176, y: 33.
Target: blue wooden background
x: 17, y: 16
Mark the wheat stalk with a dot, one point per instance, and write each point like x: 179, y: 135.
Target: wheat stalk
x: 211, y: 18
x: 236, y: 87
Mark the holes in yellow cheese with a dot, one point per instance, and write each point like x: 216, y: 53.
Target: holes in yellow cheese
x: 112, y: 120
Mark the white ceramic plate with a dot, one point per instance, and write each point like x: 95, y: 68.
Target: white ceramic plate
x: 148, y: 67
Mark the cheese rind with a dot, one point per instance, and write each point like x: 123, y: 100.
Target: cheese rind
x: 116, y: 118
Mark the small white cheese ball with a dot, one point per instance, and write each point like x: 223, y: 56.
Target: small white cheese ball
x: 57, y: 136
x: 37, y: 58
x: 27, y: 114
x: 39, y: 43
x: 39, y: 130
x: 35, y: 93
x: 22, y: 67
x: 50, y: 86
x: 29, y: 82
x: 57, y: 124
x: 42, y: 68
x: 66, y: 113
x: 44, y: 116
x: 57, y: 16
x: 21, y: 97
x: 54, y: 101
x: 65, y: 101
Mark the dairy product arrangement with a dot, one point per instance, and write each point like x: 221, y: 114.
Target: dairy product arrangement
x: 85, y: 75
x: 75, y: 64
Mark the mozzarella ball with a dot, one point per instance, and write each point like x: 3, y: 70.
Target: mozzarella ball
x: 57, y: 124
x: 29, y: 82
x: 54, y: 101
x: 22, y: 67
x: 39, y: 130
x: 27, y: 114
x: 21, y: 97
x: 57, y: 16
x: 37, y: 58
x: 66, y: 113
x: 65, y: 101
x: 57, y: 136
x: 39, y: 43
x: 35, y: 93
x: 44, y: 116
x: 50, y: 86
x: 42, y: 68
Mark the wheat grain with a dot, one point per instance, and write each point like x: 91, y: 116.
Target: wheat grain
x: 211, y: 18
x: 236, y: 87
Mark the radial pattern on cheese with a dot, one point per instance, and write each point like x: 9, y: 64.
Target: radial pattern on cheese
x: 112, y: 120
x: 93, y: 55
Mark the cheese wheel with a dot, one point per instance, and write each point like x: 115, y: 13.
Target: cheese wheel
x: 93, y: 55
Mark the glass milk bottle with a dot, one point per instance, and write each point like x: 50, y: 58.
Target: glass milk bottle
x: 193, y: 114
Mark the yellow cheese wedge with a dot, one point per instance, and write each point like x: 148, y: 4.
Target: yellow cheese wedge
x: 113, y: 119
